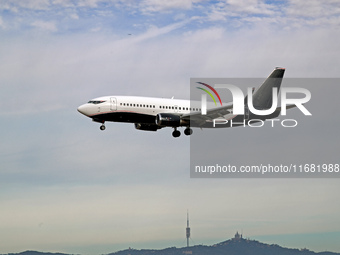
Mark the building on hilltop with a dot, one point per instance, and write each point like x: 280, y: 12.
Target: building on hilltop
x: 237, y: 236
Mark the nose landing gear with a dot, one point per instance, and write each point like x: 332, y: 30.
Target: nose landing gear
x: 102, y: 127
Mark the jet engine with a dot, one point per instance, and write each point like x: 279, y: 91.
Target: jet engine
x: 146, y: 127
x: 169, y: 120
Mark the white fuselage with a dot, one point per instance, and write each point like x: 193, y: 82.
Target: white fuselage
x: 151, y: 114
x: 136, y: 105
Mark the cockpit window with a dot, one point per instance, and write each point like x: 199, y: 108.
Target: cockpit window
x: 95, y: 102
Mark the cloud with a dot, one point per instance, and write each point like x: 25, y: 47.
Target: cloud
x: 90, y: 14
x: 313, y: 8
x: 294, y: 14
x: 28, y: 4
x: 155, y: 31
x: 45, y: 25
x: 64, y: 3
x: 313, y: 14
x: 152, y: 6
x: 74, y: 16
x: 89, y: 3
x: 2, y: 24
x: 224, y: 10
x: 212, y: 34
x: 251, y: 7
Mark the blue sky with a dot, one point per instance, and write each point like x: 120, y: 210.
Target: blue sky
x: 67, y: 187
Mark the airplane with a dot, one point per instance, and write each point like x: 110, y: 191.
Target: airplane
x: 151, y: 114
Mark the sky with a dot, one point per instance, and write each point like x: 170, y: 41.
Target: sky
x: 66, y: 186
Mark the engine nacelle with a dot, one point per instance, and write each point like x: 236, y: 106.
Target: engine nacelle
x: 146, y: 127
x: 168, y: 120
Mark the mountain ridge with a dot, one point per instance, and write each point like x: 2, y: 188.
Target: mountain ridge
x: 234, y: 246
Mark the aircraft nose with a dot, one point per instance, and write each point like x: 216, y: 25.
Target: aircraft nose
x: 82, y: 109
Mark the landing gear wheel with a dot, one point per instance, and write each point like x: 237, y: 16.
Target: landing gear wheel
x: 102, y: 127
x: 188, y: 131
x: 176, y: 133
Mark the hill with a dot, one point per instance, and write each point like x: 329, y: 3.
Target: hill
x: 235, y: 246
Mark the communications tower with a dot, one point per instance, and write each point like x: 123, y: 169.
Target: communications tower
x: 188, y: 230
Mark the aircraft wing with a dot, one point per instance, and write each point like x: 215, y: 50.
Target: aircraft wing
x: 289, y: 106
x: 213, y: 113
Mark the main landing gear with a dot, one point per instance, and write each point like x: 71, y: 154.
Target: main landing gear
x: 187, y: 131
x: 176, y: 133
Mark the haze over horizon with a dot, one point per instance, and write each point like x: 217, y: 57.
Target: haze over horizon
x: 68, y: 187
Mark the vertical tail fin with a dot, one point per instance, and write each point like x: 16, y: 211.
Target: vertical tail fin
x: 263, y: 98
x: 246, y: 97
